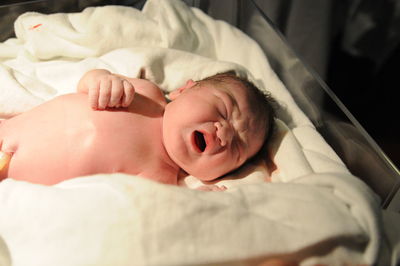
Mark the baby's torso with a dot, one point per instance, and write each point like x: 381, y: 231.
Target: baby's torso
x: 65, y: 138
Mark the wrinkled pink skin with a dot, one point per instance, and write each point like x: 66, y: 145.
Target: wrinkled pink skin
x: 65, y: 138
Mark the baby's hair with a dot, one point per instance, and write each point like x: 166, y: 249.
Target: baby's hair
x: 263, y: 105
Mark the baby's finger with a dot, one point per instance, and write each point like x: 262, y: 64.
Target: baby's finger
x: 220, y: 188
x: 129, y: 93
x: 117, y: 91
x: 105, y: 94
x: 94, y: 94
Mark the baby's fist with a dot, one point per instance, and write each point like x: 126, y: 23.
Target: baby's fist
x: 111, y: 91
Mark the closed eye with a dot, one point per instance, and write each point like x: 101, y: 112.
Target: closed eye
x: 222, y: 109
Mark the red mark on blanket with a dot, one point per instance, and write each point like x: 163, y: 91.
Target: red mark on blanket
x: 36, y: 26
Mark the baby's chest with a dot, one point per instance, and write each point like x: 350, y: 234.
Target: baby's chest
x: 131, y: 143
x: 123, y: 142
x: 66, y: 139
x: 145, y: 160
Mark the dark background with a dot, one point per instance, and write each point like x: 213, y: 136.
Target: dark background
x: 354, y: 45
x: 370, y: 91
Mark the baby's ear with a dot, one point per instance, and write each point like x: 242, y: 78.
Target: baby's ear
x: 175, y: 93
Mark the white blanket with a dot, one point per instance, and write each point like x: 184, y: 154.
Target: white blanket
x: 313, y: 211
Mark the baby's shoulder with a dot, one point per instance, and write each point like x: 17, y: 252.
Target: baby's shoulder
x: 149, y: 89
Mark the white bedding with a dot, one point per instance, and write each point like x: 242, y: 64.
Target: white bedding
x: 314, y: 210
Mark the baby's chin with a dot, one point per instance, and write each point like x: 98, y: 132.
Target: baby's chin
x: 199, y: 169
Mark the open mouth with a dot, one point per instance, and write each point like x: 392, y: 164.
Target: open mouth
x: 200, y: 141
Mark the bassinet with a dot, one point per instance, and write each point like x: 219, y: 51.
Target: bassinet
x: 335, y: 123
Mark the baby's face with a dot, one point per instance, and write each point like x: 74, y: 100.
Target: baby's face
x: 208, y: 130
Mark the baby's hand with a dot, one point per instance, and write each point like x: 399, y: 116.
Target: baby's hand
x: 212, y: 188
x: 111, y: 91
x: 107, y: 90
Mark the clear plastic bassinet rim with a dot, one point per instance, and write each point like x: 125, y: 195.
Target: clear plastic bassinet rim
x: 361, y: 154
x: 332, y: 119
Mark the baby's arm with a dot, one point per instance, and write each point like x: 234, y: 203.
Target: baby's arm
x: 106, y: 89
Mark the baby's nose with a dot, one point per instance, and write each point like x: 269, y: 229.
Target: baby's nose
x: 224, y: 133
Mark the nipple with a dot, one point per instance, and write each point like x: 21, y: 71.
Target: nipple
x: 4, y: 159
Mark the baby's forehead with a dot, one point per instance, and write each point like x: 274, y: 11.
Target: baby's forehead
x: 239, y: 94
x: 246, y: 101
x: 235, y: 89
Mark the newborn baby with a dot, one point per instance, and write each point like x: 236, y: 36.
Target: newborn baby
x: 119, y: 124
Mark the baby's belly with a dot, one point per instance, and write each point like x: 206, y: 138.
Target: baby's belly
x: 65, y: 138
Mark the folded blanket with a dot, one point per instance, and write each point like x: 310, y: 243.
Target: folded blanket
x: 119, y: 220
x: 313, y: 211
